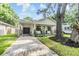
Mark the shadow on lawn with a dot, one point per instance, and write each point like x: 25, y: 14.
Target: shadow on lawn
x: 66, y: 41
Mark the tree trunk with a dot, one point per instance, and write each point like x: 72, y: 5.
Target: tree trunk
x: 75, y: 36
x: 60, y: 16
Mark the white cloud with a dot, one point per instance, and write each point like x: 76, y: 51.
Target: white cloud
x: 24, y: 12
x: 28, y: 10
x: 67, y: 8
x: 33, y: 9
x: 25, y: 6
x: 37, y: 17
x: 22, y: 15
x: 42, y: 6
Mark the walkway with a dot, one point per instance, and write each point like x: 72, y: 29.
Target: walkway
x: 28, y: 46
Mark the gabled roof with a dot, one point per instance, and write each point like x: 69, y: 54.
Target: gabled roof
x: 41, y: 21
x: 46, y: 22
x: 26, y: 21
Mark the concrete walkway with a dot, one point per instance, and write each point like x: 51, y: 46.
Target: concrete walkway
x: 28, y: 46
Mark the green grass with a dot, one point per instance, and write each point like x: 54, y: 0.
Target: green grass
x: 64, y: 35
x: 67, y: 35
x: 60, y: 49
x: 5, y: 42
x: 8, y: 35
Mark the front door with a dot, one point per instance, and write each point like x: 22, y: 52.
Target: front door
x: 26, y: 30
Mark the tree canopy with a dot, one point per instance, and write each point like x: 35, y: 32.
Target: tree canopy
x: 27, y: 18
x: 7, y: 15
x: 71, y: 13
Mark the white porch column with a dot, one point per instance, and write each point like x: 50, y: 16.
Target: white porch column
x: 34, y: 27
x: 45, y: 28
x: 53, y: 29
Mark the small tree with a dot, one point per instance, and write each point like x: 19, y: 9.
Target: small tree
x: 75, y: 32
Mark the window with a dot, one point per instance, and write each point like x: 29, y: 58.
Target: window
x: 67, y: 28
x: 38, y: 28
x: 49, y: 28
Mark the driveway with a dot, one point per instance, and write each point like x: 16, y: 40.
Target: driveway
x: 28, y: 46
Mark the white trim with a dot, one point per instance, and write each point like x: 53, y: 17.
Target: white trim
x: 6, y: 24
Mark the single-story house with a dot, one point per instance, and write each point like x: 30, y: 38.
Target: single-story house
x: 66, y: 28
x: 6, y: 28
x: 32, y: 27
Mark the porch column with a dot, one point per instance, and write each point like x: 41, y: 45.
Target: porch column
x: 53, y: 28
x: 43, y: 29
x: 34, y: 28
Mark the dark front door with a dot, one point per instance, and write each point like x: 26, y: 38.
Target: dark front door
x: 26, y: 30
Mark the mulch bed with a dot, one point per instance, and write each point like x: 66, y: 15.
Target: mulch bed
x: 66, y: 41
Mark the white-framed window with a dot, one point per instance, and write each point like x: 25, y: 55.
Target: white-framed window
x: 67, y: 28
x: 38, y: 28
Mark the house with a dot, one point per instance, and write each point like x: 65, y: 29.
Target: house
x: 6, y: 28
x: 34, y: 27
x: 66, y: 28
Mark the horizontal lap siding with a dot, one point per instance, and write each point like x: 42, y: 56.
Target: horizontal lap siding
x: 13, y: 30
x: 4, y: 29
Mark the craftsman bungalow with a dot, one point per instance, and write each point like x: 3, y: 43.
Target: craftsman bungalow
x: 32, y: 27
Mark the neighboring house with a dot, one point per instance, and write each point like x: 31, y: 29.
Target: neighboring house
x: 6, y: 28
x: 32, y: 27
x: 66, y: 28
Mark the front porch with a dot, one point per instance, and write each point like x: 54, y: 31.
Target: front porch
x: 43, y: 30
x: 37, y: 30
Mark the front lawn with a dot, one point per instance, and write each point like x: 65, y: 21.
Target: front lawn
x: 67, y: 35
x: 6, y: 41
x: 59, y: 48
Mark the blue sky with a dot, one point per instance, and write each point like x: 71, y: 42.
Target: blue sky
x: 29, y: 9
x: 24, y: 10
